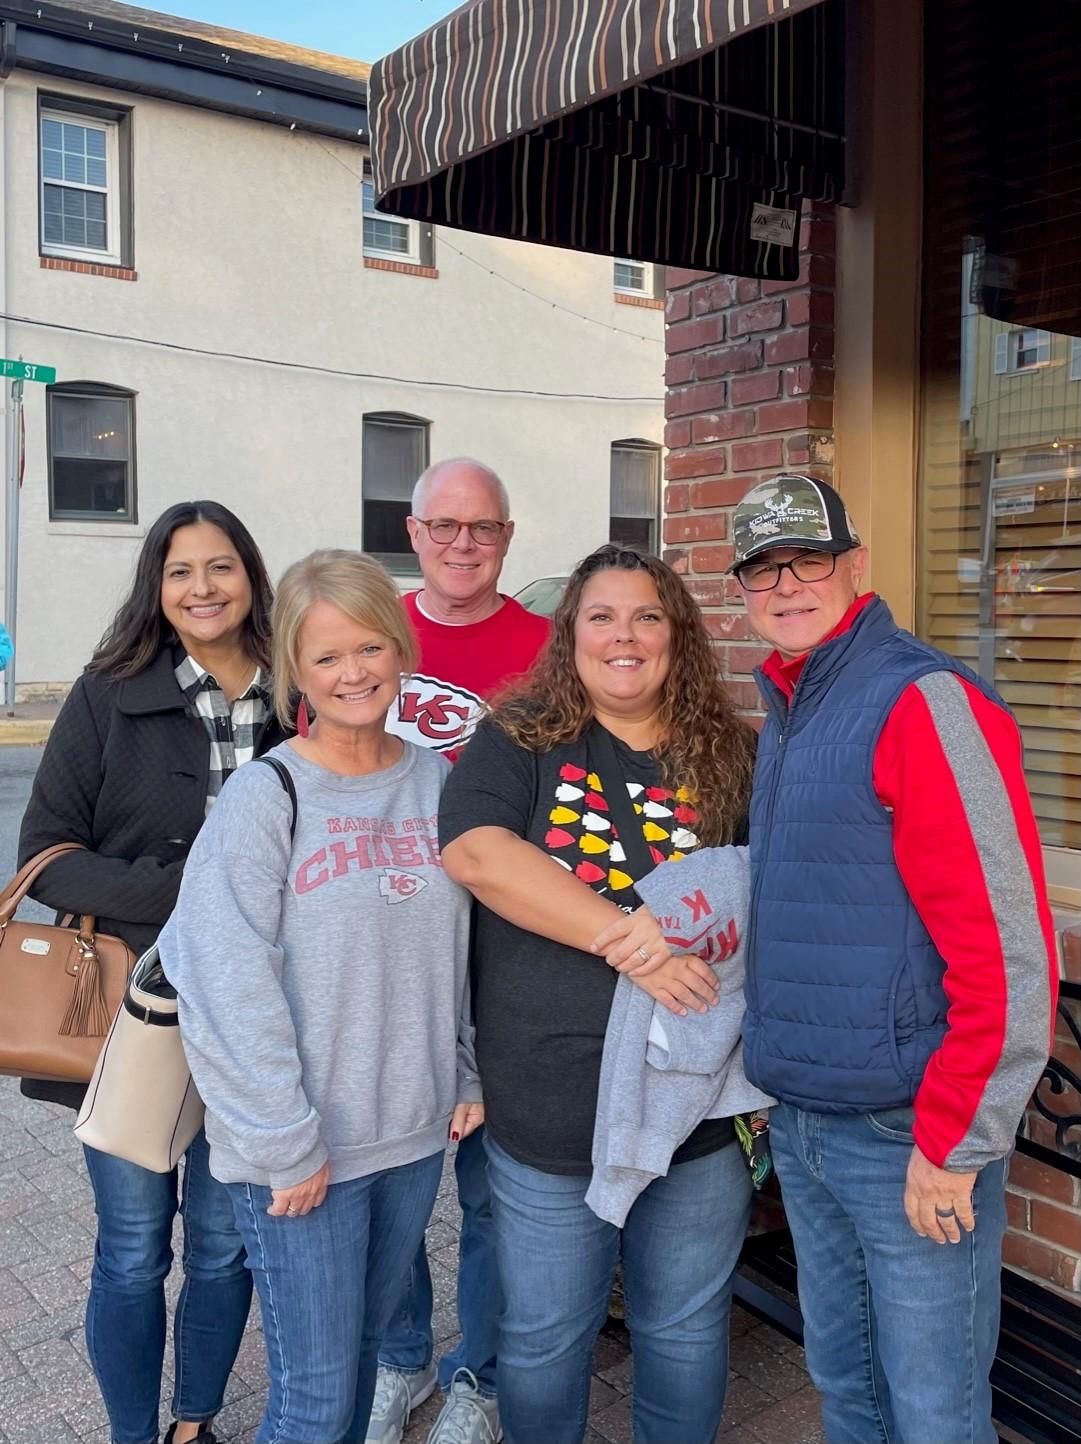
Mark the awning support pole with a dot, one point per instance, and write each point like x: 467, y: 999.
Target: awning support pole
x: 720, y: 105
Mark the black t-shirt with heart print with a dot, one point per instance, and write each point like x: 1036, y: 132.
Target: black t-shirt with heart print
x: 541, y: 1008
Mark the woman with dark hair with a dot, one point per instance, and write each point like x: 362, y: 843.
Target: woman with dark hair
x: 174, y: 699
x: 623, y: 716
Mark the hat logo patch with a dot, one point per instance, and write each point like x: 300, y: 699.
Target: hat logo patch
x: 782, y: 513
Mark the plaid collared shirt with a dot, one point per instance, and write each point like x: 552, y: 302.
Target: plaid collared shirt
x: 233, y: 729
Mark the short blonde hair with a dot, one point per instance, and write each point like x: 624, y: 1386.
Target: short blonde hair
x: 354, y: 583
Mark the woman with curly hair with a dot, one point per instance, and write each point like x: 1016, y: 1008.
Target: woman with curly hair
x: 624, y: 715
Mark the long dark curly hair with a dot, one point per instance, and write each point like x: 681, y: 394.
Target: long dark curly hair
x: 139, y: 630
x: 704, y: 744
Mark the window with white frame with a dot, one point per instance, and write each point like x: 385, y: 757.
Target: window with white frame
x: 1075, y: 358
x: 1021, y: 350
x: 634, y: 278
x: 635, y: 494
x: 386, y: 237
x: 80, y: 187
x: 91, y: 451
x: 394, y: 452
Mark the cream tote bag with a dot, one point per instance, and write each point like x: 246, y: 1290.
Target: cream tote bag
x: 141, y: 1103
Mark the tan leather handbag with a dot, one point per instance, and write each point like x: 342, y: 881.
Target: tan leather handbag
x: 141, y: 1103
x: 59, y: 987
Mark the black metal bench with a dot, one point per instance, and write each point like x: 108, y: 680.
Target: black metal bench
x: 1037, y: 1375
x: 1036, y: 1379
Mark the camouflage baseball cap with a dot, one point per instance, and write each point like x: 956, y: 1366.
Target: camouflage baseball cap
x: 791, y: 510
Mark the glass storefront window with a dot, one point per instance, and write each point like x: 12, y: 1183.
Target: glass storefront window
x: 1000, y: 457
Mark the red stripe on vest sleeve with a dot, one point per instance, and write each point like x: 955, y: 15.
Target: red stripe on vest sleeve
x: 948, y: 762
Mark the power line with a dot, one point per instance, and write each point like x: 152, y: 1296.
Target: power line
x: 321, y: 370
x: 498, y: 275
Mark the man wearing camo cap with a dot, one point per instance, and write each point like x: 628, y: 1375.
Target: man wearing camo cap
x: 901, y: 976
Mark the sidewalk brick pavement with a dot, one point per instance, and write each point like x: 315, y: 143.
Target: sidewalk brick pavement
x: 47, y: 1391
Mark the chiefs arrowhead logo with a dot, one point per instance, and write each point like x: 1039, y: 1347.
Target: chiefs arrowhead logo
x: 398, y: 886
x: 434, y: 713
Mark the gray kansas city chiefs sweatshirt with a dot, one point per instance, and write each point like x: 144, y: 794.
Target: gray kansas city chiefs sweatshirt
x: 662, y: 1074
x: 323, y: 983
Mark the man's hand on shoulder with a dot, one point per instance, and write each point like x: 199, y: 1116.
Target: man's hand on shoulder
x: 938, y: 1203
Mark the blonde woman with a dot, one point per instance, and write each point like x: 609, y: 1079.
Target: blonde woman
x: 321, y: 971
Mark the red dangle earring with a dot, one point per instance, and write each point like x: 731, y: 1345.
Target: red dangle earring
x: 303, y: 721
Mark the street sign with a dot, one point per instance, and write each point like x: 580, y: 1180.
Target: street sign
x: 27, y: 371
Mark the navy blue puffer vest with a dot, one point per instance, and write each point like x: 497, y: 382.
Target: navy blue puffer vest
x: 845, y: 1003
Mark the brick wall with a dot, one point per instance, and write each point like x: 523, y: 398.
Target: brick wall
x: 1044, y: 1205
x: 750, y: 385
x: 749, y: 374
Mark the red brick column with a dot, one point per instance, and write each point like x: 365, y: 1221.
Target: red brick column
x: 749, y: 377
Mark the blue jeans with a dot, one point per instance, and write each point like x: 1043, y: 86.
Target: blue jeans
x: 557, y: 1259
x: 327, y: 1285
x: 408, y: 1344
x: 125, y: 1316
x: 900, y: 1332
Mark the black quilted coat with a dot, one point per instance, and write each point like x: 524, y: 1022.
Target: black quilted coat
x: 125, y: 773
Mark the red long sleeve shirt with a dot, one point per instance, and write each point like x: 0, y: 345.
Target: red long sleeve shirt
x: 945, y: 851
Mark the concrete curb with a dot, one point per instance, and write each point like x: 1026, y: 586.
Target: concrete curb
x: 25, y: 732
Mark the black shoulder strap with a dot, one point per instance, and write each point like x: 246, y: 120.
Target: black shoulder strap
x: 605, y: 763
x: 285, y: 777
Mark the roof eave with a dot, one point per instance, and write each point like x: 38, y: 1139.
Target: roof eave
x: 177, y: 68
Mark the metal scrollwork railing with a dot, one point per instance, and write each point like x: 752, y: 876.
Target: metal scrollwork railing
x: 1058, y: 1095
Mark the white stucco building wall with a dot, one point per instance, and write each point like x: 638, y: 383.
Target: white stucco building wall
x: 248, y: 240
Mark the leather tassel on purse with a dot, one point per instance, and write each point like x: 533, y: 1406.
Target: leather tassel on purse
x: 88, y: 1015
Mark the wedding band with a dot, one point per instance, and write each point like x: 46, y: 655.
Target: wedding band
x: 291, y: 1211
x: 644, y: 955
x: 945, y: 1213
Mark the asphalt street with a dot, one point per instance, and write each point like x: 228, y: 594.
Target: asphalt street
x: 17, y: 768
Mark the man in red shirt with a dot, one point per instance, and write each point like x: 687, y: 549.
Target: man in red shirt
x: 472, y: 639
x: 901, y: 975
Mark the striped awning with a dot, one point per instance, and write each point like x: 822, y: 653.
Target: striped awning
x: 684, y: 132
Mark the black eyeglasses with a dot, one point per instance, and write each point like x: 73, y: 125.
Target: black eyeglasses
x: 807, y: 567
x: 443, y: 529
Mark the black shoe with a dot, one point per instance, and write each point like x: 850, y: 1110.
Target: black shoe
x: 205, y: 1435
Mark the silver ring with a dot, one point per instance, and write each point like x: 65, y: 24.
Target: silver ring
x: 945, y: 1213
x: 291, y: 1211
x: 644, y: 955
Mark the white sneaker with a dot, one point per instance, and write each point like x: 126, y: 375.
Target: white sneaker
x: 468, y: 1416
x: 396, y: 1396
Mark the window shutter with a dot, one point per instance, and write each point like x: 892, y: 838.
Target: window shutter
x: 427, y: 245
x: 1002, y: 353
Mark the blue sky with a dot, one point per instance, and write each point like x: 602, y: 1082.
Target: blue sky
x: 363, y: 29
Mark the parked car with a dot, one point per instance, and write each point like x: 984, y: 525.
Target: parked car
x: 543, y: 595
